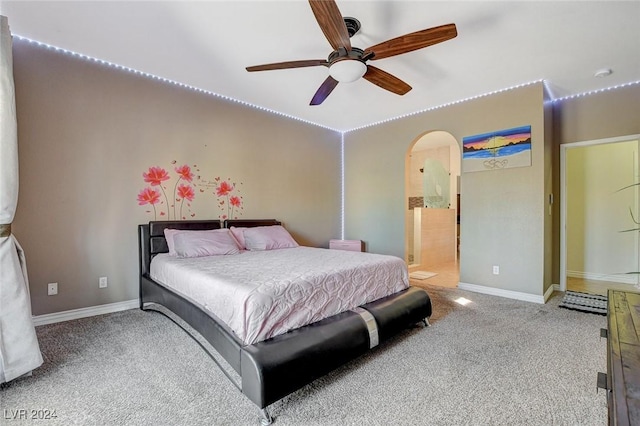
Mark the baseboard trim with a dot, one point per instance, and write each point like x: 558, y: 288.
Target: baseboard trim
x: 616, y: 278
x: 550, y: 290
x: 503, y: 293
x: 85, y: 312
x: 135, y: 303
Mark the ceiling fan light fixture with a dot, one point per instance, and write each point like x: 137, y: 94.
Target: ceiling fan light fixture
x: 347, y: 70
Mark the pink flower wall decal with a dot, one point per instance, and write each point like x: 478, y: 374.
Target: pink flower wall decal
x: 185, y: 173
x: 231, y: 200
x: 224, y: 188
x: 148, y: 196
x: 187, y: 182
x: 155, y: 176
x: 234, y: 201
x: 186, y: 191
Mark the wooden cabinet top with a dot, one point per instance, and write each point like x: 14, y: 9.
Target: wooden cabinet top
x: 624, y: 356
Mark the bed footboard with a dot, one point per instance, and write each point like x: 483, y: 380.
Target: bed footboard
x: 396, y: 312
x: 276, y: 367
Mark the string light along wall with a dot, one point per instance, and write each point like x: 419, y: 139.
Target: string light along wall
x: 166, y: 80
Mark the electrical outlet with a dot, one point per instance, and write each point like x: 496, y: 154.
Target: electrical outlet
x: 496, y: 270
x: 102, y: 283
x: 52, y: 289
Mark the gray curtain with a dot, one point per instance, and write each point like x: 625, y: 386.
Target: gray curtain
x: 19, y: 349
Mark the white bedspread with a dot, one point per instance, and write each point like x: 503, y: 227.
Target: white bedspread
x: 260, y: 294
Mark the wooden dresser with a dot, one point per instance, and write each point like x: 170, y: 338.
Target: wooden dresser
x: 623, y: 357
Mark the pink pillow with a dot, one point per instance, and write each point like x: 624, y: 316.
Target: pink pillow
x: 168, y: 235
x: 213, y: 242
x: 268, y: 238
x: 237, y: 233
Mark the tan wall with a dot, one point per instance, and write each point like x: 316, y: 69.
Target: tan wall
x: 502, y: 222
x: 602, y: 115
x: 87, y: 132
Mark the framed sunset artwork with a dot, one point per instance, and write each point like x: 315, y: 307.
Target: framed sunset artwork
x: 501, y: 149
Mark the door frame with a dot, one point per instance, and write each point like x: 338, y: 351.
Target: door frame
x: 563, y: 195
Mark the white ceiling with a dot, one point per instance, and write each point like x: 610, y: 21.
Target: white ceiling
x: 208, y: 44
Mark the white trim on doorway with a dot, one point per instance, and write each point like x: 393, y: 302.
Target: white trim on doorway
x: 563, y: 196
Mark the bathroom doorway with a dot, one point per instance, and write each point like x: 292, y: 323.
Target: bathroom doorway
x: 432, y: 214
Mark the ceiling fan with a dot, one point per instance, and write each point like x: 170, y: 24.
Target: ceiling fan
x: 347, y: 63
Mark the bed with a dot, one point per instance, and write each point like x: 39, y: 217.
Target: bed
x: 272, y: 363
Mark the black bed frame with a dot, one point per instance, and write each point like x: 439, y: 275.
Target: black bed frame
x: 274, y: 368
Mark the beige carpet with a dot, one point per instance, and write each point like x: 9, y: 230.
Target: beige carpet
x: 493, y: 361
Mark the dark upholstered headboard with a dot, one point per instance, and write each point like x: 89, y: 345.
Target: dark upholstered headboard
x: 151, y: 239
x: 250, y: 223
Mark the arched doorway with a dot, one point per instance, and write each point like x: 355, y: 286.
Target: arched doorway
x: 432, y: 176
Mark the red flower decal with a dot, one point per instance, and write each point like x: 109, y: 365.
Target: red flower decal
x: 148, y: 196
x: 185, y: 173
x: 155, y: 175
x: 224, y: 189
x: 186, y: 192
x: 235, y: 201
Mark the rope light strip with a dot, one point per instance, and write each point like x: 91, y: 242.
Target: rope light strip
x: 342, y: 132
x: 342, y: 196
x: 444, y: 105
x: 593, y: 92
x: 166, y: 80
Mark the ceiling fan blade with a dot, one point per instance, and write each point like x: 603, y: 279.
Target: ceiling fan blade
x: 289, y: 64
x: 325, y: 90
x: 412, y: 41
x: 386, y: 81
x: 331, y: 23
